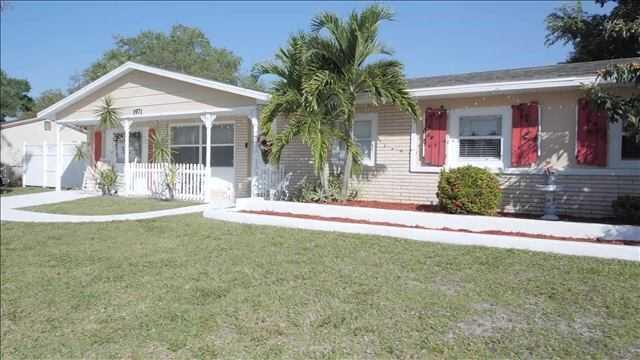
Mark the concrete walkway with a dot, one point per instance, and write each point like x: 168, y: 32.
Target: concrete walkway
x: 9, y: 209
x: 606, y: 251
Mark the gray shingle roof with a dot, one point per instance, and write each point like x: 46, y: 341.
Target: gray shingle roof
x: 531, y: 73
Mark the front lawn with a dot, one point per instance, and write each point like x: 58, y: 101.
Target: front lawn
x: 18, y: 190
x: 188, y: 287
x: 108, y: 205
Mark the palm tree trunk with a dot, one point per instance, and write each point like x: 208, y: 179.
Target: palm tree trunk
x: 324, y: 178
x: 348, y: 161
x: 346, y: 174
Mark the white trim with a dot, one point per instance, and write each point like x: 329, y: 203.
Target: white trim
x: 502, y: 87
x: 167, y: 116
x: 128, y: 67
x: 453, y: 143
x: 373, y: 117
x: 614, y: 150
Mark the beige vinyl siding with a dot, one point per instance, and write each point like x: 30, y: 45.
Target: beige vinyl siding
x: 154, y: 94
x: 391, y: 180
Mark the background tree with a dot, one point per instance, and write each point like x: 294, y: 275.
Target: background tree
x: 43, y: 101
x: 620, y: 108
x: 14, y: 97
x: 342, y: 64
x: 597, y: 37
x: 185, y: 49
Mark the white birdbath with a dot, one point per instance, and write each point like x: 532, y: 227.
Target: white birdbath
x: 550, y: 208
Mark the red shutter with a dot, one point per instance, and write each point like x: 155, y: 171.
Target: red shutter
x: 592, y: 135
x: 435, y: 137
x: 152, y: 136
x: 524, y: 134
x: 97, y: 146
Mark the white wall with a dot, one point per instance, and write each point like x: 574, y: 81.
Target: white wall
x: 12, y: 139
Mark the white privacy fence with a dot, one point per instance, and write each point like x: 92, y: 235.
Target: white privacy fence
x: 269, y: 182
x: 150, y: 179
x: 40, y: 162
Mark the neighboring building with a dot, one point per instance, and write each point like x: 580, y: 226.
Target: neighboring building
x: 14, y: 134
x: 513, y: 122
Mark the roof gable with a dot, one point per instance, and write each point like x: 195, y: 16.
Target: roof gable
x: 128, y: 67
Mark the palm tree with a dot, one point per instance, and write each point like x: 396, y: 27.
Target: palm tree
x: 313, y: 125
x: 108, y: 114
x: 341, y: 67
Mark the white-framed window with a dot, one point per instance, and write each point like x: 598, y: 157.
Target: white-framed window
x: 480, y: 137
x: 630, y: 144
x: 365, y: 133
x: 188, y: 144
x: 624, y: 146
x: 135, y: 146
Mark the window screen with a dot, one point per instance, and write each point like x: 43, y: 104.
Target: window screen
x: 481, y: 136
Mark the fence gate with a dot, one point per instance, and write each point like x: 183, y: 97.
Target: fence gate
x: 39, y: 166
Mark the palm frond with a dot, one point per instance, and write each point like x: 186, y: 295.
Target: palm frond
x: 108, y: 114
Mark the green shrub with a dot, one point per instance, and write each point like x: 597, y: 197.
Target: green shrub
x: 311, y: 191
x: 469, y: 190
x: 107, y: 180
x: 627, y: 209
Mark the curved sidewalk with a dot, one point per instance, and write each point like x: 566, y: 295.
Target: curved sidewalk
x: 9, y: 209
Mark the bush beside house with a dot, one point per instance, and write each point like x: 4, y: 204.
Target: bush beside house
x: 627, y: 209
x: 469, y: 190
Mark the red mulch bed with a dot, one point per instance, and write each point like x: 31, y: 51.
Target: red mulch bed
x: 436, y: 209
x: 519, y: 234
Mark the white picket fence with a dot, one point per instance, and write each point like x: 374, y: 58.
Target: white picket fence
x: 268, y: 179
x: 148, y: 179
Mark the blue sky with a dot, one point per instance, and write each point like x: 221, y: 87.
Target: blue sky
x: 48, y: 42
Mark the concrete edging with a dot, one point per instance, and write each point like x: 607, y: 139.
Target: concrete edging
x: 448, y: 221
x: 606, y: 251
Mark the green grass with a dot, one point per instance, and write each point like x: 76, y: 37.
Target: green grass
x: 17, y: 190
x: 188, y: 287
x: 108, y: 205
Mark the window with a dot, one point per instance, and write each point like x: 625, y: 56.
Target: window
x: 221, y: 145
x: 135, y: 146
x: 364, y: 134
x: 630, y: 149
x: 188, y: 144
x: 481, y: 137
x: 185, y: 144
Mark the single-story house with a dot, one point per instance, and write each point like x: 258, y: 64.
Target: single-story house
x: 35, y: 132
x: 513, y: 122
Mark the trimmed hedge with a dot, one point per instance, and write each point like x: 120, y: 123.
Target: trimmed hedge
x: 469, y: 190
x: 627, y: 209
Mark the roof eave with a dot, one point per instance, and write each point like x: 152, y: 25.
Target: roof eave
x: 502, y: 87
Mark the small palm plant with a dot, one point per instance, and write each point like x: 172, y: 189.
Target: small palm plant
x: 108, y: 114
x: 81, y: 152
x: 107, y: 180
x: 163, y: 154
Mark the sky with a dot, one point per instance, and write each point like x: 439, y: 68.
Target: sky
x: 49, y: 42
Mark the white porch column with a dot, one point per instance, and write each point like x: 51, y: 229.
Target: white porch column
x: 126, y: 125
x: 58, y: 157
x: 208, y: 119
x: 255, y: 155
